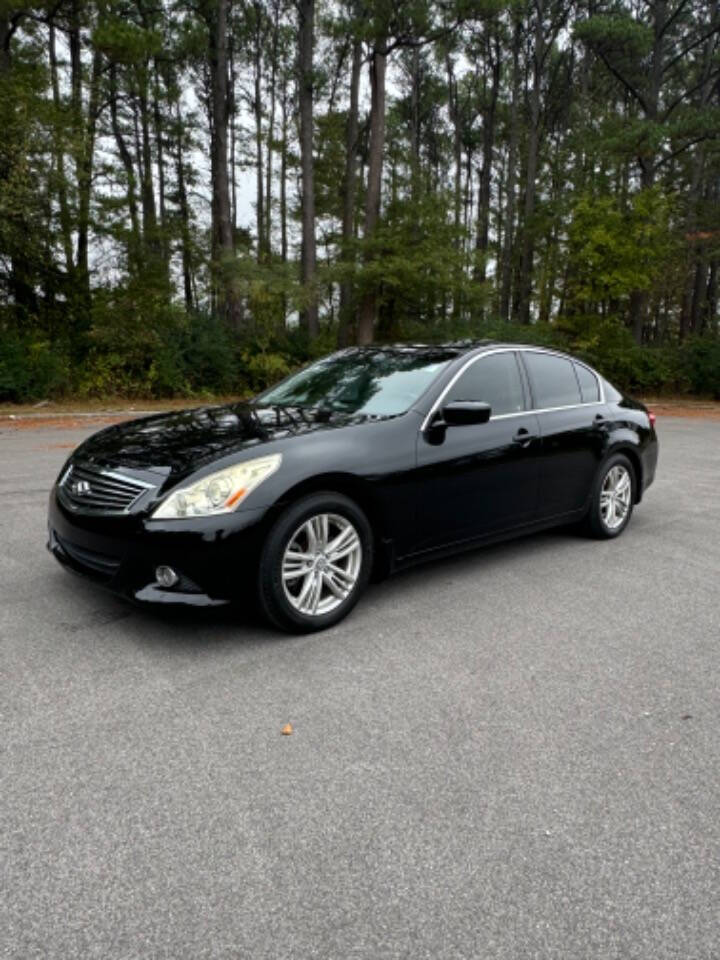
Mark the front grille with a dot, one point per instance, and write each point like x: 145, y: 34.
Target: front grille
x: 93, y: 490
x: 89, y: 559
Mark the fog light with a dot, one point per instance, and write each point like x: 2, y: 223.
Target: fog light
x: 166, y: 576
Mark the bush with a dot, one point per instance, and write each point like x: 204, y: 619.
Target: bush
x: 209, y: 356
x: 31, y: 369
x: 699, y: 365
x: 164, y: 352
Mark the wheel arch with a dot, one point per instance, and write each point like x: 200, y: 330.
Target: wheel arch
x: 630, y: 450
x: 358, y: 490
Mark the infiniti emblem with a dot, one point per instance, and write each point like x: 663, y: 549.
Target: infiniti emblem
x: 81, y: 488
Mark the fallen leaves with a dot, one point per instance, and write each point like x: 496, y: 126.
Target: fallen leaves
x: 287, y: 730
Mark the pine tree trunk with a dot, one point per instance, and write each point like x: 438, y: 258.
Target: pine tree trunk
x: 485, y: 189
x: 415, y: 125
x: 221, y: 183
x: 692, y: 294
x: 59, y: 159
x: 184, y: 216
x: 349, y: 194
x: 531, y: 172
x: 271, y: 134
x: 160, y: 161
x: 368, y: 305
x: 84, y: 130
x: 150, y: 232
x: 6, y: 32
x: 309, y: 315
x: 507, y: 257
x: 232, y: 110
x: 456, y: 119
x: 639, y: 298
x: 711, y: 298
x: 283, y: 178
x: 257, y: 110
x: 133, y: 240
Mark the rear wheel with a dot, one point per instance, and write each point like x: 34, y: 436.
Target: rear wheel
x: 315, y: 562
x: 613, y: 498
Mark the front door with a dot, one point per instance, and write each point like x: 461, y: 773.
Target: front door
x: 481, y: 479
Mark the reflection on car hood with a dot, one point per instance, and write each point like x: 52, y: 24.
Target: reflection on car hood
x: 185, y: 440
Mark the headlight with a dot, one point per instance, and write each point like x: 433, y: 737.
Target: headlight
x: 220, y: 492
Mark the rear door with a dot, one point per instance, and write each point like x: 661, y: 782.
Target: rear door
x: 479, y: 479
x: 566, y: 396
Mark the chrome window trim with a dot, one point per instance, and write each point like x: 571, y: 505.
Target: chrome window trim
x: 520, y: 413
x: 570, y: 406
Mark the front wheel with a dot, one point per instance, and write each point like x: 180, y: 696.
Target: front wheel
x: 315, y: 563
x: 613, y: 498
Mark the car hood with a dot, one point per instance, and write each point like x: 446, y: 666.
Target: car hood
x: 180, y: 442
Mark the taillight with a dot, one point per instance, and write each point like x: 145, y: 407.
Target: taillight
x: 652, y: 419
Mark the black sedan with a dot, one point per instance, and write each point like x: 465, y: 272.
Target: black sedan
x: 366, y: 461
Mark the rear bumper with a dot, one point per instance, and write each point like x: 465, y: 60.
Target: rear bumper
x: 649, y: 465
x: 216, y: 557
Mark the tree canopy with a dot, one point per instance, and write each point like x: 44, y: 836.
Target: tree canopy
x: 195, y: 197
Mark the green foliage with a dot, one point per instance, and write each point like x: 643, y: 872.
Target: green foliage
x: 413, y: 264
x: 619, y: 34
x: 31, y: 369
x: 615, y: 250
x: 330, y: 164
x: 141, y: 346
x: 112, y: 277
x: 209, y: 356
x: 124, y: 41
x: 263, y: 366
x: 700, y: 366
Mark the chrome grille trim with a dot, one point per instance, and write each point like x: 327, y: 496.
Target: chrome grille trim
x: 105, y: 491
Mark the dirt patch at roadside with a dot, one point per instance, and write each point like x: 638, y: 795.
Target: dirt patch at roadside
x: 21, y: 422
x: 702, y: 410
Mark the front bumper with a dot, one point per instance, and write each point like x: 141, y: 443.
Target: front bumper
x: 216, y: 557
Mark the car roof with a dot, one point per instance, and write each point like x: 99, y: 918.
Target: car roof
x: 456, y: 348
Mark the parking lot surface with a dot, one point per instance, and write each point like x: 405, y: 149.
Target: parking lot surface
x: 510, y: 754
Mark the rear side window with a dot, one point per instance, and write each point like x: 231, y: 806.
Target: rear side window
x: 589, y: 387
x: 552, y: 379
x: 494, y: 379
x: 611, y: 394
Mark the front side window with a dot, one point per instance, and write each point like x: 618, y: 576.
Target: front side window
x: 552, y: 380
x: 589, y: 387
x: 494, y: 379
x: 381, y: 382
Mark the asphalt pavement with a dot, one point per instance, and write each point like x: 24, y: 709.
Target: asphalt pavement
x: 511, y: 754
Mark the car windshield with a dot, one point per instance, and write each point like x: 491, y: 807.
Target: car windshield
x: 371, y: 382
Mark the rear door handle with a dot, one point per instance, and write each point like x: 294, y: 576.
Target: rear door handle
x: 524, y: 437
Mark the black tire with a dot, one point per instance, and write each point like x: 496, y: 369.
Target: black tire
x: 271, y: 590
x: 596, y: 524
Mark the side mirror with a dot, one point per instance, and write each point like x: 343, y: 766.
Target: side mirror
x: 463, y: 412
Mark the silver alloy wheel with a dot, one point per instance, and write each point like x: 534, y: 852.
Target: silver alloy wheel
x: 321, y: 564
x: 615, y: 495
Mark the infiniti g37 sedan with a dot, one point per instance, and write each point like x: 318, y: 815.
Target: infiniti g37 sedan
x: 364, y: 462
